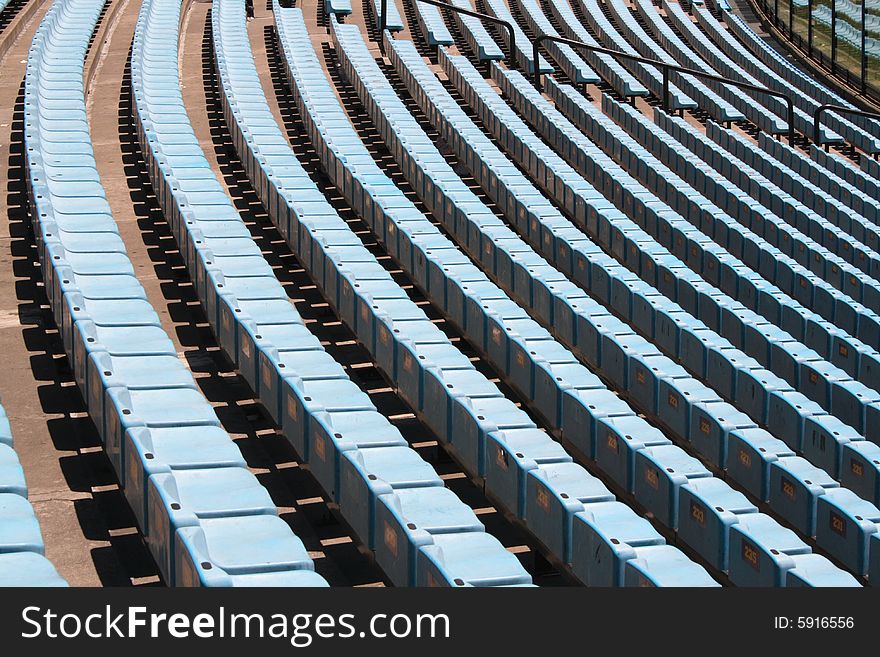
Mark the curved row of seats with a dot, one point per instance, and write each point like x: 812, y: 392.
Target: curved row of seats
x: 648, y: 75
x: 427, y: 170
x: 666, y: 37
x: 432, y: 25
x: 826, y: 382
x: 356, y: 454
x: 842, y: 126
x: 22, y: 560
x: 569, y: 62
x: 476, y: 153
x: 707, y: 99
x: 860, y: 226
x: 396, y: 503
x: 172, y: 458
x: 610, y: 68
x: 567, y: 509
x: 481, y: 44
x: 754, y: 237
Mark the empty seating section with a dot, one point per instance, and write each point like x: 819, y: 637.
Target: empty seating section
x: 781, y: 66
x: 383, y: 488
x: 706, y: 98
x: 475, y: 150
x: 732, y: 68
x: 842, y: 127
x: 432, y: 25
x: 569, y: 61
x: 610, y: 68
x: 522, y: 44
x: 720, y: 269
x: 846, y: 171
x: 172, y: 458
x: 846, y: 194
x: 522, y: 468
x: 783, y: 205
x: 648, y: 75
x: 795, y: 262
x: 858, y: 229
x: 676, y: 318
x: 666, y: 36
x: 678, y: 393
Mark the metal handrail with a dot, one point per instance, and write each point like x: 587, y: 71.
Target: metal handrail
x: 666, y: 68
x: 468, y: 12
x: 817, y: 115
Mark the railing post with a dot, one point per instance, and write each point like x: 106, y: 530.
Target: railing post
x: 666, y: 102
x: 382, y: 11
x: 511, y: 42
x: 817, y: 125
x: 536, y: 73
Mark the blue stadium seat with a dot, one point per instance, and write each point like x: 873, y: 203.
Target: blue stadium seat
x: 761, y: 551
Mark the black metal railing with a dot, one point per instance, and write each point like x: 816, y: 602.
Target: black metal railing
x: 666, y: 68
x: 511, y: 44
x: 839, y: 109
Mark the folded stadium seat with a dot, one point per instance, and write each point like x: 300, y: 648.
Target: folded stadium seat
x: 845, y: 525
x: 605, y: 536
x: 467, y: 560
x: 815, y: 570
x: 750, y: 453
x: 554, y: 493
x: 707, y: 510
x: 761, y: 551
x: 796, y: 483
x: 860, y: 469
x: 407, y: 519
x: 18, y: 569
x: 661, y: 566
x: 660, y: 473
